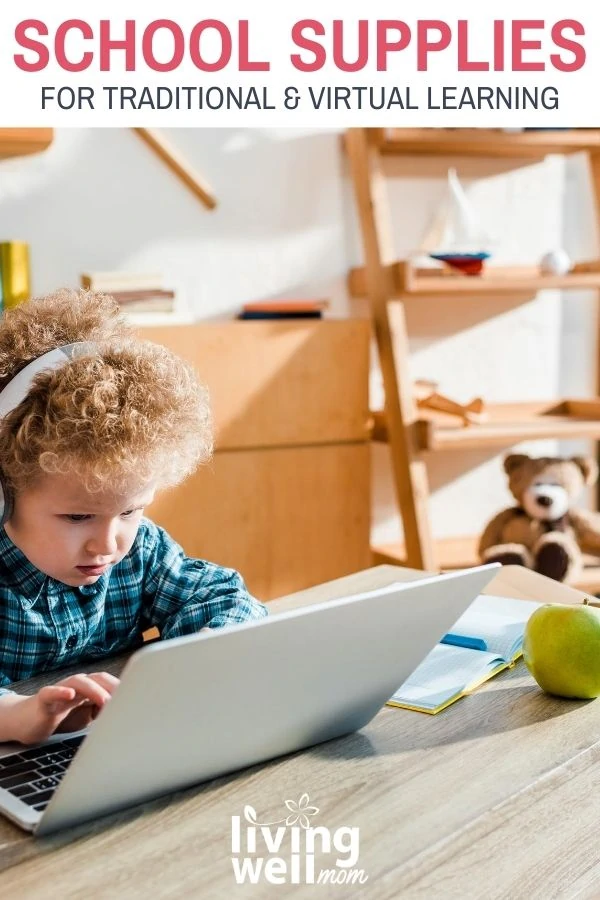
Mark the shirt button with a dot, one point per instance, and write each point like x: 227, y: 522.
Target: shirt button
x: 71, y: 641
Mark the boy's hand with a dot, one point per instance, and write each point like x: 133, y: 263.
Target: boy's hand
x: 69, y: 705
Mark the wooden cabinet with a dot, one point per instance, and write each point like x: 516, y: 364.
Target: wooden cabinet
x: 286, y: 499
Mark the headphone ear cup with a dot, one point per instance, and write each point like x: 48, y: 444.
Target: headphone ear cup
x: 6, y: 502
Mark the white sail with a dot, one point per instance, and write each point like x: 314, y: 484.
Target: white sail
x: 456, y: 228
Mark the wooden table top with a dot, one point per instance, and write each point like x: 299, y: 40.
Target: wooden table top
x: 495, y: 797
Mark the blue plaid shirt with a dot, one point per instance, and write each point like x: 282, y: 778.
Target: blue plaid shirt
x: 46, y: 625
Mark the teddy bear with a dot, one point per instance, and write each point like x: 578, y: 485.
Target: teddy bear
x: 544, y: 531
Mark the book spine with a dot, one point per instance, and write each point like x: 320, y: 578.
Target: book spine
x: 285, y: 306
x: 133, y: 296
x: 165, y: 306
x: 14, y: 269
x: 106, y: 283
x: 316, y: 314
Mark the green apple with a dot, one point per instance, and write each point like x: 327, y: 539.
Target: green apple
x: 561, y: 649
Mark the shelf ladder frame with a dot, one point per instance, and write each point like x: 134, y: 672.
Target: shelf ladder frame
x: 365, y: 149
x: 409, y: 470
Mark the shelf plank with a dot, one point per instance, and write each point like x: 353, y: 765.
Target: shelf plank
x: 24, y: 141
x: 487, y: 142
x: 402, y: 278
x: 507, y: 424
x: 461, y: 553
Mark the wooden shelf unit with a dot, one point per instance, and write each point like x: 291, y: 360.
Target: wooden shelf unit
x: 24, y: 141
x: 412, y: 433
x: 404, y: 278
x: 461, y: 553
x: 485, y: 142
x: 506, y: 424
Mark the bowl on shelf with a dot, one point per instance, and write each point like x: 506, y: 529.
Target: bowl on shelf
x: 467, y: 263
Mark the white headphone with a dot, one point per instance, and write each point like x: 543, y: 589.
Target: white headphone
x: 17, y: 389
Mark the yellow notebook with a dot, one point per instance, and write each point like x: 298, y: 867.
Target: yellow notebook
x: 487, y: 638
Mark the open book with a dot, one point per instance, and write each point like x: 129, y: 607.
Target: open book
x: 487, y: 638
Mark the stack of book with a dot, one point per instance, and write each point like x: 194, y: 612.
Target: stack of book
x: 284, y: 309
x: 135, y: 293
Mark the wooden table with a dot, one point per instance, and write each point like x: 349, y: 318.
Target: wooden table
x: 495, y: 797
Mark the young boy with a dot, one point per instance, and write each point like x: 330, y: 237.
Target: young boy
x: 82, y: 573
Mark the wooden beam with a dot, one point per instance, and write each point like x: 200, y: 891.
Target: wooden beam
x: 461, y: 553
x: 410, y: 474
x: 405, y: 278
x: 24, y: 141
x: 175, y: 162
x: 489, y: 142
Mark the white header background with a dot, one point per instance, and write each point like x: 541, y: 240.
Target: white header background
x: 270, y: 39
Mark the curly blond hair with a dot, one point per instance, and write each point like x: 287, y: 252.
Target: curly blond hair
x: 128, y: 411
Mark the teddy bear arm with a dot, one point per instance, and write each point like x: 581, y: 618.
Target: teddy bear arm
x: 493, y: 532
x: 586, y: 525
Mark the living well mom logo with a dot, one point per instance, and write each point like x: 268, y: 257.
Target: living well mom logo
x: 283, y: 851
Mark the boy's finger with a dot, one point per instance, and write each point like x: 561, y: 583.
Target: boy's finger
x: 106, y: 680
x: 88, y: 689
x: 52, y: 693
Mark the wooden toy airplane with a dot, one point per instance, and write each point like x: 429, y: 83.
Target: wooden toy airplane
x: 428, y: 397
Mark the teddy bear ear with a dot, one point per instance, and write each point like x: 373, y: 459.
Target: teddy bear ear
x: 514, y: 461
x: 588, y: 467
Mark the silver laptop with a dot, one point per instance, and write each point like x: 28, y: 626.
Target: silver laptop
x: 194, y: 708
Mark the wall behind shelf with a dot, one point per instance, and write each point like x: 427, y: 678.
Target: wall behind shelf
x: 285, y: 225
x: 98, y: 199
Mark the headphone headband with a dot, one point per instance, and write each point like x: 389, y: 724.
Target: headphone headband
x: 19, y: 386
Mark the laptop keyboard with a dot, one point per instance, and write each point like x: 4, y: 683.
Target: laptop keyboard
x: 33, y: 775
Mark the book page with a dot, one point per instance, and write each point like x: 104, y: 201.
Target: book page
x: 495, y: 624
x: 444, y: 673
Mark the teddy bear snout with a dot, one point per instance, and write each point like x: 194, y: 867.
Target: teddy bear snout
x: 546, y: 501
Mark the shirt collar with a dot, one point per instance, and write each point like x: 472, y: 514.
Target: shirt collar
x: 18, y: 572
x: 16, y: 569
